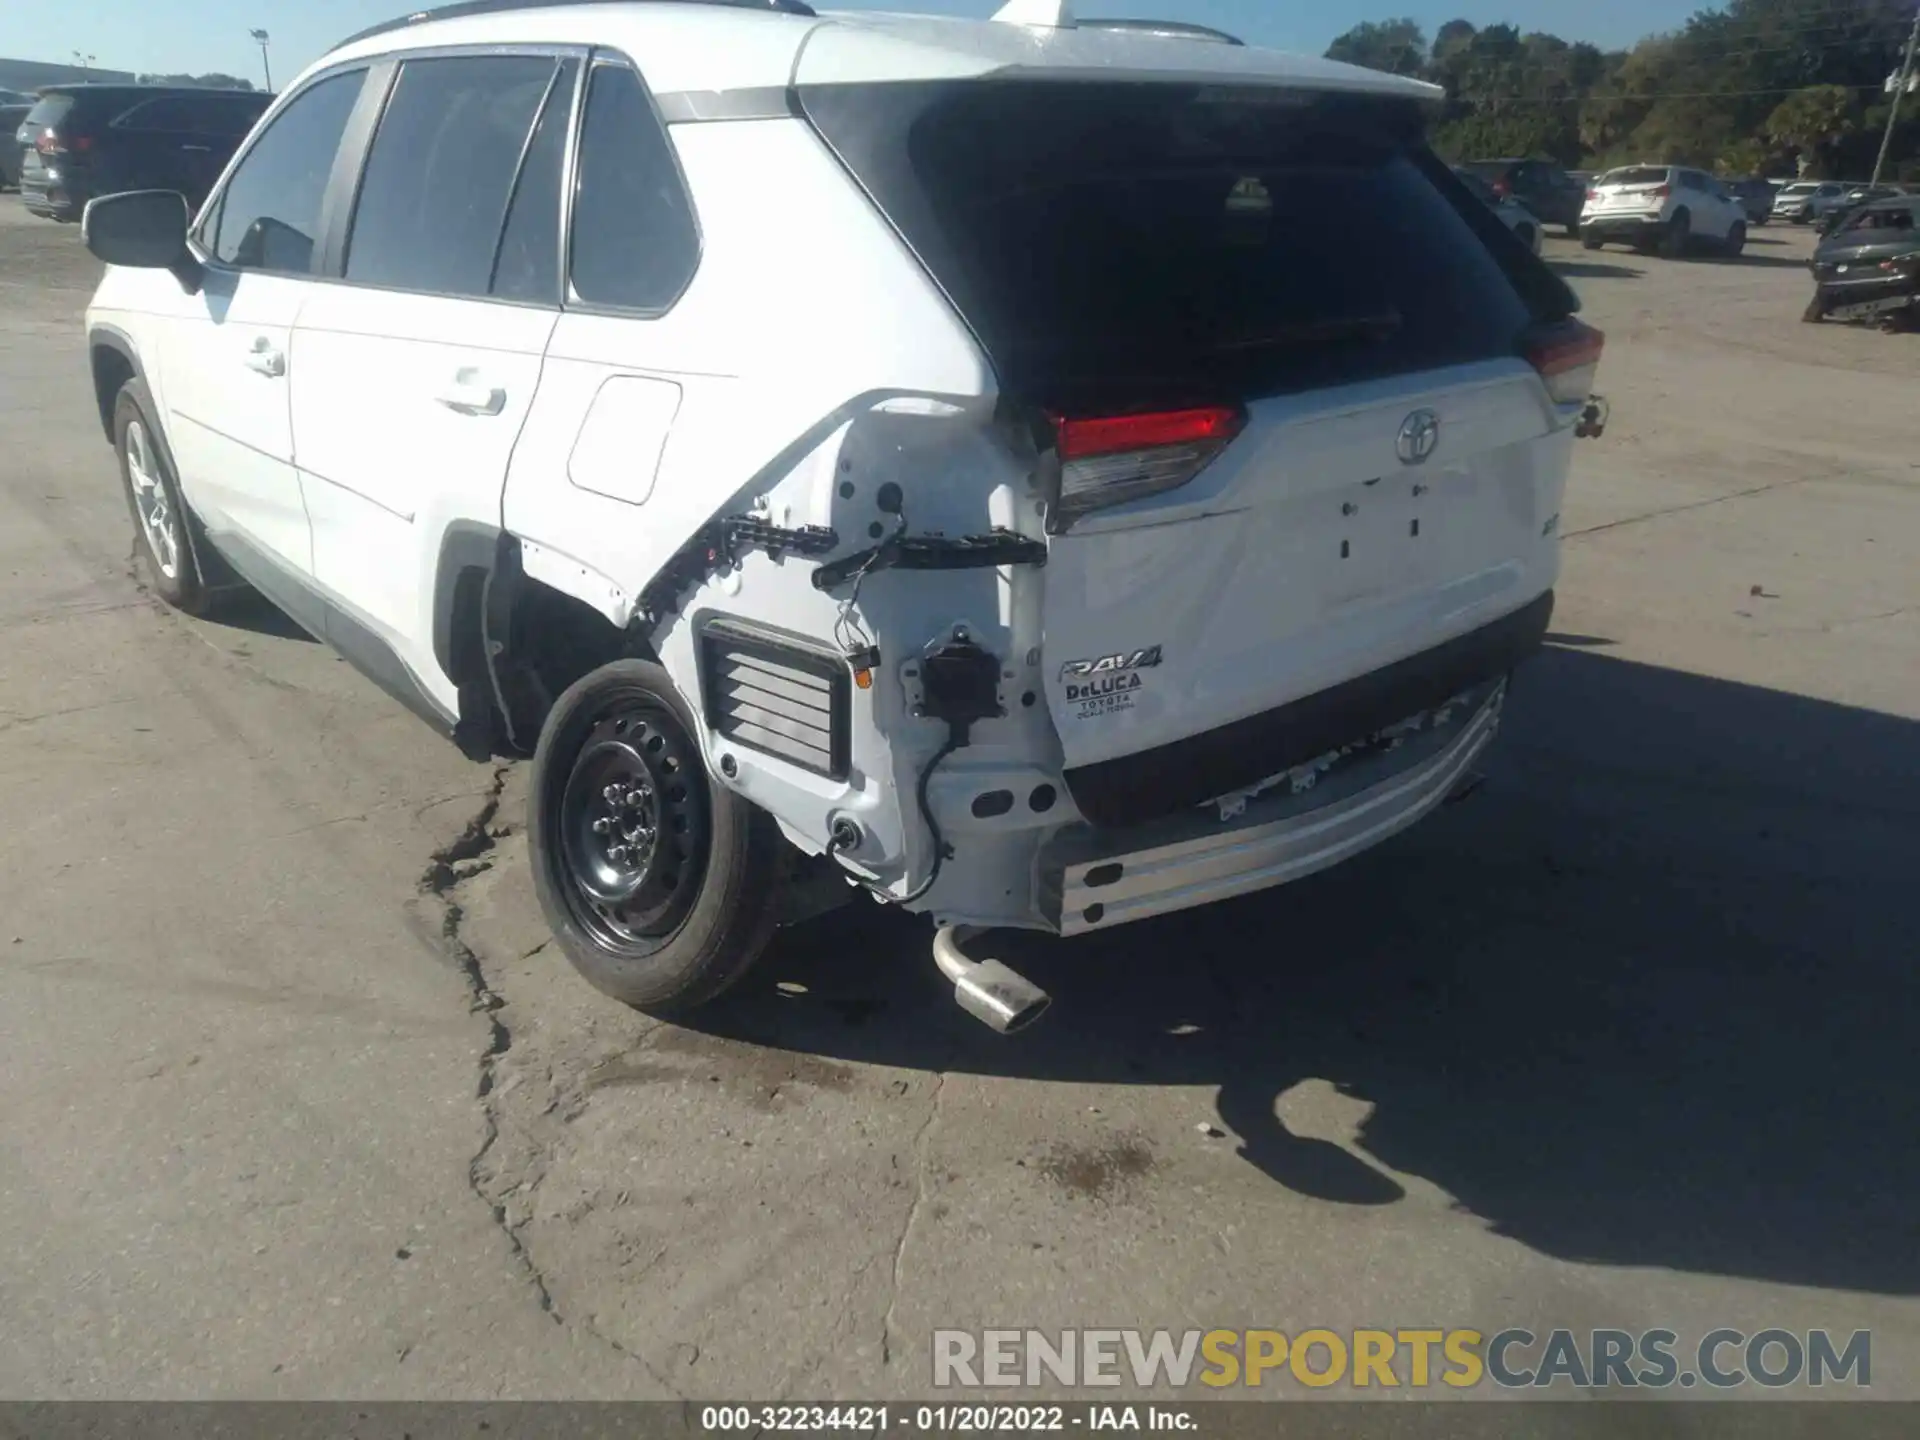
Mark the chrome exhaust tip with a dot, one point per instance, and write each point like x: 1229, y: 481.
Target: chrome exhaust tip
x: 994, y: 994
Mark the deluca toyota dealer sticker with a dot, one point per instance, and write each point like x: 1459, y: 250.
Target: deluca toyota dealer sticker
x: 1106, y: 683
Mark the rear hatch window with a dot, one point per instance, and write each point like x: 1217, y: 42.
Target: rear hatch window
x: 49, y: 110
x: 1152, y: 242
x: 1635, y: 175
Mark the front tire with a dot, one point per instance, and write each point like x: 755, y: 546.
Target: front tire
x: 162, y: 525
x: 660, y: 886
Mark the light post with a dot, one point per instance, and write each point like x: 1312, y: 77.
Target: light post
x: 261, y: 37
x: 85, y: 62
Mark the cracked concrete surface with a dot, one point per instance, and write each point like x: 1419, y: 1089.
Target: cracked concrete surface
x: 1624, y: 1039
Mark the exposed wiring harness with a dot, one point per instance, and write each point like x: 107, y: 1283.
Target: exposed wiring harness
x: 954, y: 742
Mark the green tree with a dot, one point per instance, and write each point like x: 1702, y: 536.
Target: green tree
x: 1812, y: 121
x: 1397, y: 46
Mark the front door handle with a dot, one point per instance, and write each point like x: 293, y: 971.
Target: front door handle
x: 265, y: 358
x: 468, y: 394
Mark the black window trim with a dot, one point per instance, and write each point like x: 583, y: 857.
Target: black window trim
x: 337, y: 226
x: 201, y: 244
x: 573, y: 303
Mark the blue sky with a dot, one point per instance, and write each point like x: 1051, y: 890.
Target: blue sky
x: 197, y: 36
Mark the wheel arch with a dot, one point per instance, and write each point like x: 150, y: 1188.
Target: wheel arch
x: 114, y: 360
x: 511, y: 642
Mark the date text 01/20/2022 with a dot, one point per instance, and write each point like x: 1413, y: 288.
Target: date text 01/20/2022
x: 944, y: 1419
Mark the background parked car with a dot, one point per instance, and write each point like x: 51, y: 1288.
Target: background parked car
x: 1540, y: 185
x: 1668, y: 208
x: 80, y: 141
x: 12, y: 117
x: 1806, y: 201
x: 1869, y: 269
x: 1522, y: 221
x: 1755, y: 196
x: 1859, y: 195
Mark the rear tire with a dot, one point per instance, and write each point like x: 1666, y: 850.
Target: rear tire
x: 1573, y: 229
x: 1673, y: 244
x: 660, y: 886
x: 1736, y: 240
x: 1590, y: 241
x: 164, y: 539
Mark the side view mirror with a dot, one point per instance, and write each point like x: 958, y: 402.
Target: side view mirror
x: 142, y: 230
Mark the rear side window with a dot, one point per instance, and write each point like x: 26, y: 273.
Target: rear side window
x: 1152, y: 243
x: 170, y: 113
x: 635, y: 242
x: 434, y: 195
x: 269, y: 213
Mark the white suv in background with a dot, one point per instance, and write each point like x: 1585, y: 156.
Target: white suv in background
x: 951, y: 461
x: 1805, y: 201
x: 1667, y: 208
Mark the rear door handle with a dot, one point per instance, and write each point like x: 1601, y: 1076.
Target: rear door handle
x: 468, y: 394
x: 266, y: 359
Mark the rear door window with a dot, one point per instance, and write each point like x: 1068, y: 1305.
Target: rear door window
x: 528, y: 264
x: 169, y: 113
x: 441, y: 170
x: 1088, y: 233
x: 269, y: 214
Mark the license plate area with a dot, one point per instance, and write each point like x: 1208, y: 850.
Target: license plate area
x: 1386, y: 533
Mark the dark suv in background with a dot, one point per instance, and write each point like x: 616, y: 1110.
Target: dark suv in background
x: 1543, y: 187
x: 13, y: 114
x: 80, y: 141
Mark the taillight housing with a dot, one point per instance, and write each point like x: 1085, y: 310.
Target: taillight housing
x: 1567, y: 355
x: 1112, y: 459
x: 1660, y: 192
x: 1593, y: 194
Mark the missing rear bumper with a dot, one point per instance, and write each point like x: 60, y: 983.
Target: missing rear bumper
x: 1093, y: 881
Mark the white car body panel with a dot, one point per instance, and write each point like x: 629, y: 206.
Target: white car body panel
x: 1304, y: 556
x: 406, y: 409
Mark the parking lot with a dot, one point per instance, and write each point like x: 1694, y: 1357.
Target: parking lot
x: 299, y: 1103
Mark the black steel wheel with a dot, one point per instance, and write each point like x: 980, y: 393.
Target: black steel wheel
x: 633, y: 826
x: 660, y: 884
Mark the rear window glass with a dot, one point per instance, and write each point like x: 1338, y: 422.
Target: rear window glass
x: 50, y: 110
x: 1171, y: 240
x: 1635, y: 175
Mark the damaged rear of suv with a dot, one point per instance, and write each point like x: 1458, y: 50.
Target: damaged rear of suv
x: 1005, y: 495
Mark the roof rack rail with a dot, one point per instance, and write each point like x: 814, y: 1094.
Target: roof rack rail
x: 1168, y: 29
x: 501, y: 7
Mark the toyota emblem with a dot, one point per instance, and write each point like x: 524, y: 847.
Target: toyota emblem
x: 1419, y: 433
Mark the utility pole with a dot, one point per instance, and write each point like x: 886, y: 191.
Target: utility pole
x: 261, y: 37
x: 1900, y: 84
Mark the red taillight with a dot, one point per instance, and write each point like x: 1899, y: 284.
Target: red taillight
x: 1083, y: 439
x: 1567, y: 355
x: 1659, y: 192
x: 1502, y: 187
x: 83, y: 142
x: 46, y: 142
x: 1593, y: 194
x: 1110, y: 459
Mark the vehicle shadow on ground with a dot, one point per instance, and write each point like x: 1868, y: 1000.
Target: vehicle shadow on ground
x: 254, y: 613
x: 1594, y: 270
x: 1647, y: 998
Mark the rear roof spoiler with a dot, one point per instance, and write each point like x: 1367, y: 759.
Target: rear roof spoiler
x: 1058, y: 15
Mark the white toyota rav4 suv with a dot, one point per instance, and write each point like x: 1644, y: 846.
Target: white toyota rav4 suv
x: 955, y: 460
